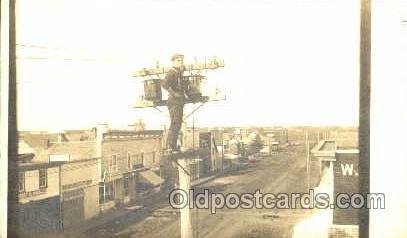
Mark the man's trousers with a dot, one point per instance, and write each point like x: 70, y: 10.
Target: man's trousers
x: 176, y: 111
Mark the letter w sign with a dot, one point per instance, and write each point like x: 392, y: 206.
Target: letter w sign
x: 347, y: 170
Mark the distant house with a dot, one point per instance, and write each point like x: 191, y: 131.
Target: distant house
x: 207, y: 139
x: 235, y: 148
x: 242, y: 133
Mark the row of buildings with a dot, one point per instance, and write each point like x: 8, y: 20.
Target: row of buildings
x: 67, y: 178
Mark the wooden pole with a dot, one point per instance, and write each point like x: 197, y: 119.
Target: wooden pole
x: 184, y: 179
x: 8, y: 153
x: 364, y: 112
x: 307, y: 159
x: 61, y: 200
x: 185, y: 184
x: 4, y: 98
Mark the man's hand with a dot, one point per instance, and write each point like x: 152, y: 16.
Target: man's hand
x: 175, y: 94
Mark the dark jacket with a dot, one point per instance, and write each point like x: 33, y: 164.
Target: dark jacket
x: 174, y: 80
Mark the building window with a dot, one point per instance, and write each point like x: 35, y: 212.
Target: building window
x: 101, y: 195
x: 113, y: 163
x: 126, y: 185
x: 43, y: 178
x: 129, y: 160
x: 226, y: 145
x: 194, y: 171
x: 21, y: 181
x: 109, y: 192
x: 106, y: 193
x: 142, y: 158
x: 136, y: 162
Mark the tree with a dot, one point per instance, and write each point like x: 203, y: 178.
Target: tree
x: 139, y: 125
x: 255, y: 145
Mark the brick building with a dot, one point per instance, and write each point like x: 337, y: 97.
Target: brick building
x: 130, y: 164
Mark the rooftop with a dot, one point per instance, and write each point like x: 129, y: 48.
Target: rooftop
x: 325, y: 148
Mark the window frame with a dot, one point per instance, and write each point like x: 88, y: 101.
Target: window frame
x: 106, y: 192
x: 112, y: 164
x: 129, y: 161
x: 126, y: 181
x: 43, y: 177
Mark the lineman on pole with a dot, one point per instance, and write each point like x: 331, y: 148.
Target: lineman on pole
x: 177, y: 88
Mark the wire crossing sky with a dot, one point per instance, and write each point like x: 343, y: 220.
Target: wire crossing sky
x: 286, y: 62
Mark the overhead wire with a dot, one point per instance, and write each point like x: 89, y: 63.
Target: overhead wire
x: 58, y: 48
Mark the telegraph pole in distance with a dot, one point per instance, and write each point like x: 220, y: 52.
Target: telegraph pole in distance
x: 307, y: 158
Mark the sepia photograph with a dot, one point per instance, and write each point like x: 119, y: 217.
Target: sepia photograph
x: 211, y: 118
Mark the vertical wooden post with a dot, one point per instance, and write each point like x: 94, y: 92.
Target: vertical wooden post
x: 61, y: 199
x: 364, y: 112
x: 223, y: 150
x: 8, y: 153
x: 4, y: 98
x: 307, y: 159
x: 185, y: 184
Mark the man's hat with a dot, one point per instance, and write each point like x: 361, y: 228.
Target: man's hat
x: 176, y: 56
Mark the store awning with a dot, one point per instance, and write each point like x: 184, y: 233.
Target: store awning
x: 150, y: 177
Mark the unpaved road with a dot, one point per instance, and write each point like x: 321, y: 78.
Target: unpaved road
x: 282, y: 173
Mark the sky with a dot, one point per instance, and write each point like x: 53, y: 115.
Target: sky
x: 287, y: 62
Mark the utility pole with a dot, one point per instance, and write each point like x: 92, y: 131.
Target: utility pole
x: 61, y: 199
x: 5, y: 17
x: 307, y: 158
x: 364, y: 112
x: 181, y: 159
x: 185, y: 185
x: 8, y: 129
x: 223, y: 149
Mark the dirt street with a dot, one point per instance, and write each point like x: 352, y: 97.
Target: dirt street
x: 282, y: 173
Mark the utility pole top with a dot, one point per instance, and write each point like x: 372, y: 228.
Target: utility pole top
x: 191, y: 79
x: 213, y: 63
